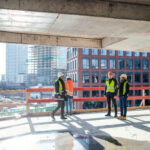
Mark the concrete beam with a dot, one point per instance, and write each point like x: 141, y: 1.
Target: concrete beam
x: 131, y: 44
x: 110, y: 40
x: 34, y: 39
x: 99, y: 8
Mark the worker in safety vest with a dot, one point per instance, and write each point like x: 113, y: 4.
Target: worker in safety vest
x: 69, y: 89
x: 111, y: 93
x: 123, y: 95
x: 60, y: 95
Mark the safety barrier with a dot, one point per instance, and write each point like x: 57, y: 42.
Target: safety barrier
x: 81, y: 99
x: 29, y: 100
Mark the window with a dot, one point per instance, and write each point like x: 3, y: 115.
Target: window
x: 75, y: 77
x: 70, y: 53
x: 112, y: 64
x: 120, y: 64
x: 129, y: 64
x: 70, y: 66
x: 111, y: 52
x: 95, y: 77
x: 145, y: 77
x: 86, y: 94
x: 85, y: 51
x: 94, y: 51
x: 137, y: 64
x: 75, y: 64
x: 95, y: 93
x: 94, y: 63
x: 128, y: 53
x: 103, y: 52
x: 130, y: 92
x: 103, y: 77
x: 114, y: 74
x: 67, y: 54
x: 102, y: 93
x: 120, y: 53
x: 137, y: 77
x: 86, y: 77
x: 67, y: 66
x: 103, y: 63
x: 144, y: 54
x: 85, y: 63
x: 138, y: 92
x: 137, y: 54
x: 146, y: 91
x: 145, y: 64
x: 74, y: 52
x: 130, y: 77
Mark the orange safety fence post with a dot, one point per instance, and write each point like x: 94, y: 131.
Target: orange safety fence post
x: 143, y: 100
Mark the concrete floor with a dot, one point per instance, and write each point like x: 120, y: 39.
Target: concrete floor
x: 91, y: 131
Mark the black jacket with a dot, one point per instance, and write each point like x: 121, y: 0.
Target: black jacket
x: 121, y: 88
x: 57, y: 88
x: 109, y: 93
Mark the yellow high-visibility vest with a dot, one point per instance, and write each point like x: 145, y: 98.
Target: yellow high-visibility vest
x: 110, y: 87
x: 60, y: 88
x: 124, y: 87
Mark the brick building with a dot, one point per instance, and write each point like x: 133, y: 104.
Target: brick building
x: 89, y: 68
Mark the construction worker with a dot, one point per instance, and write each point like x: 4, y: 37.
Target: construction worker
x: 69, y: 89
x: 123, y: 95
x: 111, y: 93
x: 60, y: 94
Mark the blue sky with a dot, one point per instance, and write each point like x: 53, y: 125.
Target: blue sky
x: 2, y: 58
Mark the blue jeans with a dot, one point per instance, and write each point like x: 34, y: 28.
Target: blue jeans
x: 68, y: 103
x: 123, y: 105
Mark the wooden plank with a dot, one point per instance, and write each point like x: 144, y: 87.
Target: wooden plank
x: 12, y: 91
x: 11, y: 105
x: 27, y: 103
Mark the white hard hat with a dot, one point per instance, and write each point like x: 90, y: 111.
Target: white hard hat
x: 123, y: 75
x: 60, y: 74
x: 67, y: 77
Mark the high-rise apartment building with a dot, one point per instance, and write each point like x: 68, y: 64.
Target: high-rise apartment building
x: 89, y: 68
x: 16, y: 68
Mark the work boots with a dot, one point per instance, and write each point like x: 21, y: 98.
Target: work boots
x: 52, y: 116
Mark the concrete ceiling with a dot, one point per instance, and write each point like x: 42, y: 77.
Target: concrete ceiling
x: 75, y: 29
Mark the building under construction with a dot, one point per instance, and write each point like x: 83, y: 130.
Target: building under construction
x: 44, y: 64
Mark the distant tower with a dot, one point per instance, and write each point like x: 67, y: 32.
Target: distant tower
x: 16, y: 68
